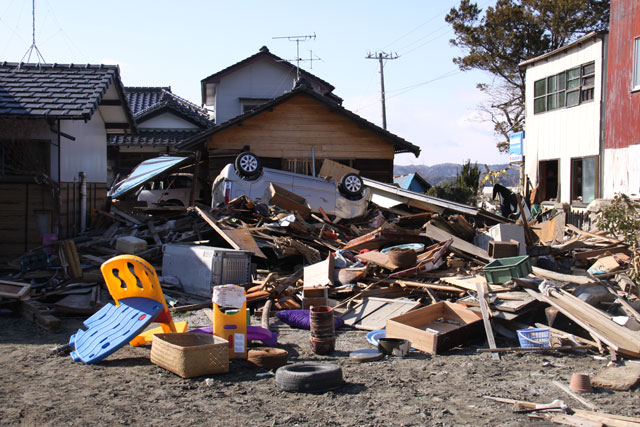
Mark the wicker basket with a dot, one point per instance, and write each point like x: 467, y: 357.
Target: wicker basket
x: 190, y: 354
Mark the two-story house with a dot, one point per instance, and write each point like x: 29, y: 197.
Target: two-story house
x: 564, y: 128
x: 254, y: 81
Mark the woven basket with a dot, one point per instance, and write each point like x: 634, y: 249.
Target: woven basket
x: 190, y: 354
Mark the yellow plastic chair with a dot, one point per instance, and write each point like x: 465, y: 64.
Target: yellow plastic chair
x: 129, y: 276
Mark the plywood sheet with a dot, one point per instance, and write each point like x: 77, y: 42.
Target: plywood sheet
x: 618, y: 377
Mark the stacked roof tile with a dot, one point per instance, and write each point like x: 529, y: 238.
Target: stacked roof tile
x: 59, y: 91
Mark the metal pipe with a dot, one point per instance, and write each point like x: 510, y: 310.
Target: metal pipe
x: 83, y: 201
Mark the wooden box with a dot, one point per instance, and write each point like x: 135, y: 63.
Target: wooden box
x: 287, y: 200
x: 437, y: 327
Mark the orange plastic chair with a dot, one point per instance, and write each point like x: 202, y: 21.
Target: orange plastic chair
x: 129, y: 276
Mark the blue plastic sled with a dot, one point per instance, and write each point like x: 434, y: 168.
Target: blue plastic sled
x: 112, y: 327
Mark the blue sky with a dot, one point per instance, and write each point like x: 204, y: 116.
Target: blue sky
x: 170, y: 43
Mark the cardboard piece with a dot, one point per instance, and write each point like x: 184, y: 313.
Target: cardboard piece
x: 335, y: 170
x: 319, y: 274
x: 603, y: 266
x: 437, y: 327
x: 286, y: 200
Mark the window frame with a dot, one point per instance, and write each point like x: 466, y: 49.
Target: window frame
x: 635, y: 76
x: 585, y: 92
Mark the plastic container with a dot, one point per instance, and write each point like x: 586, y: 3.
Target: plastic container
x: 232, y: 324
x: 503, y: 269
x: 200, y: 267
x: 534, y: 337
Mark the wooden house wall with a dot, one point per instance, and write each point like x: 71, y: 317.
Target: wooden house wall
x: 23, y: 202
x: 290, y: 131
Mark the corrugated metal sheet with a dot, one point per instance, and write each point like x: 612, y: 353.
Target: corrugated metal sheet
x: 623, y: 105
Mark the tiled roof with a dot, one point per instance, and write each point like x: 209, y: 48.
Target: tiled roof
x: 141, y: 98
x: 147, y: 101
x: 65, y: 91
x: 153, y: 137
x: 400, y: 145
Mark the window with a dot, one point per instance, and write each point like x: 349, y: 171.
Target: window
x: 566, y: 89
x: 584, y: 174
x: 636, y: 64
x: 548, y: 179
x: 540, y: 92
x: 23, y: 159
x: 587, y: 82
x: 248, y: 104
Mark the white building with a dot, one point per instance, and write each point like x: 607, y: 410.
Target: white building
x: 564, y: 127
x: 252, y: 82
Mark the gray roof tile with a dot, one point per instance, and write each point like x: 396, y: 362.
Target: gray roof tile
x: 53, y: 90
x: 144, y: 101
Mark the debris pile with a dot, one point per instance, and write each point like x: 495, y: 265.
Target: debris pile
x: 425, y: 270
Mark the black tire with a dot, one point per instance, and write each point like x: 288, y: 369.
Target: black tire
x: 267, y: 357
x: 352, y: 185
x: 309, y: 377
x: 248, y: 165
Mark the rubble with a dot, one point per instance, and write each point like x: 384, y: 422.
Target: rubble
x: 439, y: 298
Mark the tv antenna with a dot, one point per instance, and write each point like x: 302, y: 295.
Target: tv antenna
x: 299, y: 39
x: 33, y: 48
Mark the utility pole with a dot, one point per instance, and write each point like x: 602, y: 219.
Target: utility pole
x: 380, y: 56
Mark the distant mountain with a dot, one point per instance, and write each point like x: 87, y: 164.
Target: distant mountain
x: 447, y: 172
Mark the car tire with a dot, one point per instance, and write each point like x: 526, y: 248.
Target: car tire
x: 248, y: 165
x: 352, y: 184
x: 309, y: 377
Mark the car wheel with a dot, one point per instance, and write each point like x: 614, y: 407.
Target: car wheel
x: 248, y: 165
x: 173, y: 202
x: 352, y: 184
x: 309, y: 377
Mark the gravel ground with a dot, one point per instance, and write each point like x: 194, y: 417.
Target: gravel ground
x: 126, y: 388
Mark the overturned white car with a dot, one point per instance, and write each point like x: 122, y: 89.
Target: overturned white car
x: 345, y: 199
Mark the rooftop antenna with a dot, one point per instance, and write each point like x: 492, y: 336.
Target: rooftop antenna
x: 298, y: 39
x: 33, y: 46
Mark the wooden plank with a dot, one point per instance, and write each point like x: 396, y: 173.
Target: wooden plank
x: 567, y: 278
x: 240, y: 240
x: 583, y: 233
x: 14, y: 290
x: 619, y: 378
x: 484, y: 308
x: 389, y: 309
x: 570, y: 392
x: 358, y: 312
x: 607, y: 331
x: 460, y: 245
x: 470, y: 283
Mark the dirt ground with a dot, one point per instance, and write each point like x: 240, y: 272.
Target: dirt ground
x: 126, y: 388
